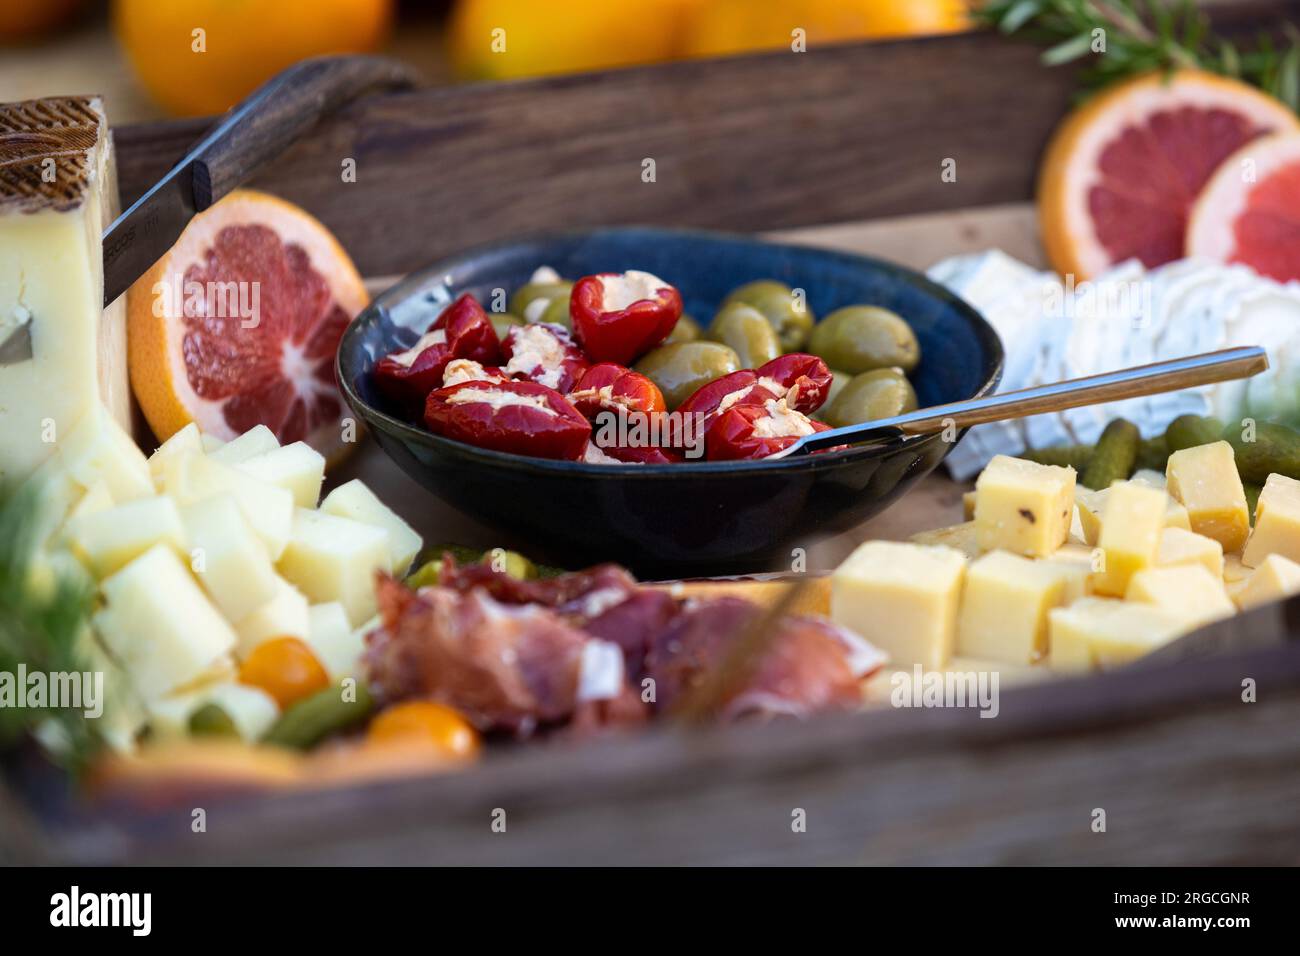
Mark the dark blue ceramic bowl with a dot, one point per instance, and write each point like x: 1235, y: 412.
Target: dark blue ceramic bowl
x: 683, y: 519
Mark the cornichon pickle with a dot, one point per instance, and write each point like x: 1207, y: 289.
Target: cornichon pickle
x: 511, y: 563
x: 1252, y: 498
x: 1112, y: 459
x: 1274, y: 449
x: 683, y: 367
x: 1153, y: 453
x: 788, y: 312
x: 211, y: 720
x: 1188, y: 431
x: 324, y: 713
x: 686, y: 330
x: 745, y: 330
x: 1065, y: 456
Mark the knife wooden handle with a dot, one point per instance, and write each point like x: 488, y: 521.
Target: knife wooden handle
x: 280, y: 111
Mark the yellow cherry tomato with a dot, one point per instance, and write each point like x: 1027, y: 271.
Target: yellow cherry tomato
x: 285, y: 668
x: 426, y: 722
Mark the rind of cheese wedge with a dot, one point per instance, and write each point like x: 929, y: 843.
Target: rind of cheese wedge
x: 58, y: 192
x: 97, y: 449
x: 334, y: 641
x: 258, y: 440
x: 1131, y: 523
x: 1205, y: 480
x: 902, y: 598
x: 1276, y: 578
x: 268, y: 509
x: 1277, y: 522
x: 1179, y: 546
x: 161, y: 626
x: 297, y: 467
x: 1102, y: 633
x: 1004, y: 607
x: 107, y: 540
x: 1190, y: 590
x: 330, y: 558
x: 356, y: 501
x: 227, y: 557
x: 284, y: 615
x: 1023, y: 507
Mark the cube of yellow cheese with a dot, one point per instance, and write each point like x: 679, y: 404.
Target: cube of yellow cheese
x: 258, y: 440
x: 1275, y: 578
x: 1179, y: 546
x: 902, y: 598
x: 1004, y: 607
x: 968, y: 506
x: 1091, y: 504
x: 284, y: 615
x: 1076, y: 562
x: 187, y: 439
x: 334, y: 641
x: 1131, y: 523
x: 1205, y: 480
x: 296, y: 466
x: 227, y: 557
x: 1023, y: 507
x: 1277, y: 522
x: 99, y: 449
x: 330, y: 558
x: 960, y: 537
x: 356, y: 501
x: 1101, y: 633
x: 1189, y: 590
x: 161, y: 626
x: 106, y: 540
x: 189, y: 477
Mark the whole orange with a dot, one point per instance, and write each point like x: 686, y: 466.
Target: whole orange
x: 198, y: 57
x: 717, y: 27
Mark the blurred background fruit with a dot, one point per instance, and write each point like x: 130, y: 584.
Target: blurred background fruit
x: 559, y: 36
x: 244, y: 43
x: 26, y: 20
x: 717, y: 27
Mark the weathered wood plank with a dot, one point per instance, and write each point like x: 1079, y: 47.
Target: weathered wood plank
x: 1186, y: 772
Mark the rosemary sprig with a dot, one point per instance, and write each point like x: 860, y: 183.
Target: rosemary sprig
x: 1144, y: 35
x: 44, y: 614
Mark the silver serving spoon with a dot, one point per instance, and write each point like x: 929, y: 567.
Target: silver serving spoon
x: 1169, y: 376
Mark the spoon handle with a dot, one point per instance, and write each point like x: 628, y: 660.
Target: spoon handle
x: 1157, y: 377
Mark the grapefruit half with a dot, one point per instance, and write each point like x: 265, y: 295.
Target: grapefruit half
x: 1121, y: 173
x: 237, y: 325
x: 1249, y: 211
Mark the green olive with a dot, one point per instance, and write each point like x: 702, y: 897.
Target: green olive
x: 880, y: 393
x: 681, y: 368
x: 557, y: 313
x: 787, y: 311
x: 503, y: 321
x: 746, y: 332
x: 529, y: 292
x: 859, y: 338
x: 686, y: 330
x: 838, y: 381
x: 510, y: 562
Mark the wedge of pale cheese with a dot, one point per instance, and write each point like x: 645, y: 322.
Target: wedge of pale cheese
x: 61, y: 353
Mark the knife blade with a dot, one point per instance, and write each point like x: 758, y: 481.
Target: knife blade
x: 251, y: 134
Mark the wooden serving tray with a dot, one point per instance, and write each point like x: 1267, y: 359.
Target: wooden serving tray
x: 831, y: 144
